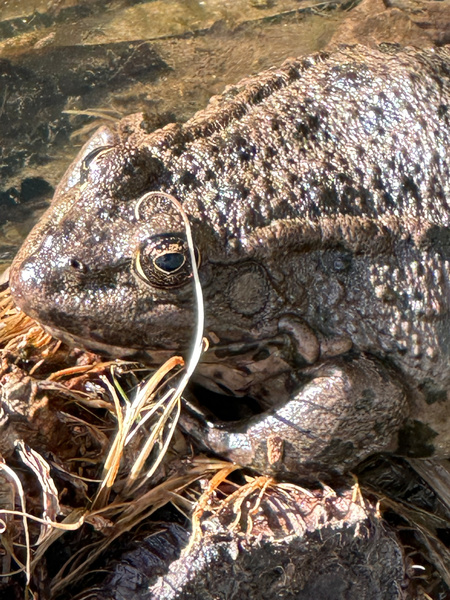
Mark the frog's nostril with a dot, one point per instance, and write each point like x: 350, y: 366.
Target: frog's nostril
x: 77, y: 265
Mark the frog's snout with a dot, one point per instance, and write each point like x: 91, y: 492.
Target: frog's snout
x: 25, y: 281
x: 36, y: 282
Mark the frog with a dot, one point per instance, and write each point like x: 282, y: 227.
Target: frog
x: 317, y: 197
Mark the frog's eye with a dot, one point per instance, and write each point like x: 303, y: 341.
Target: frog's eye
x: 87, y: 160
x: 165, y: 261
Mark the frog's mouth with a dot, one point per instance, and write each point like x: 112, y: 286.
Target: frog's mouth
x: 154, y: 359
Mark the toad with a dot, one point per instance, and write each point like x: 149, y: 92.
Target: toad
x: 317, y: 193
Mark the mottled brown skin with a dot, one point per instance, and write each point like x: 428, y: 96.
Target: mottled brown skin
x: 317, y: 193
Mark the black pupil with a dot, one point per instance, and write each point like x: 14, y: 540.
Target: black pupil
x: 169, y: 262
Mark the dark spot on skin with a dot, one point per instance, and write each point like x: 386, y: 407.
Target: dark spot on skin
x: 66, y: 227
x: 349, y: 196
x: 409, y: 185
x: 179, y: 139
x: 308, y: 128
x: 420, y: 270
x: 152, y: 168
x: 390, y: 297
x: 315, y: 211
x: 243, y: 191
x: 388, y: 200
x: 259, y: 95
x: 342, y: 177
x: 378, y: 110
x: 366, y: 400
x: 244, y: 156
x: 244, y: 150
x: 217, y: 375
x: 140, y: 171
x: 189, y: 180
x: 443, y: 334
x: 178, y: 150
x: 108, y: 213
x: 275, y: 125
x: 435, y: 159
x: 414, y: 440
x: 442, y: 110
x: 379, y: 429
x: 342, y: 263
x: 270, y: 192
x: 432, y: 393
x: 438, y: 239
x: 209, y: 175
x: 329, y: 198
x: 394, y: 298
x: 338, y: 451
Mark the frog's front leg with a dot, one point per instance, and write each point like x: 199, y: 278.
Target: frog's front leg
x: 350, y: 407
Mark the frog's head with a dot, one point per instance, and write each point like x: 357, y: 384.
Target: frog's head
x: 108, y: 268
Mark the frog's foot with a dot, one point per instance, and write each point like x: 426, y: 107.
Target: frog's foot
x: 350, y: 408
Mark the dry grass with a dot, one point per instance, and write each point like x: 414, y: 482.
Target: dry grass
x: 18, y: 331
x: 124, y: 494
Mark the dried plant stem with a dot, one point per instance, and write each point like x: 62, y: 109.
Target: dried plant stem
x: 4, y: 467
